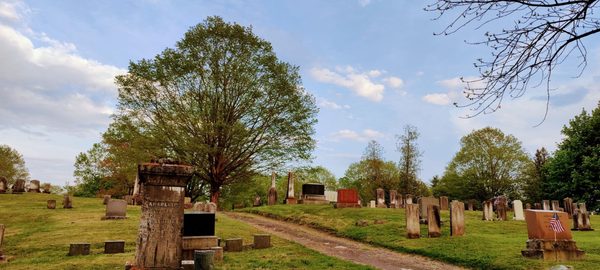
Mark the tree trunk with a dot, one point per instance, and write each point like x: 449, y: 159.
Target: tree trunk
x: 214, y: 195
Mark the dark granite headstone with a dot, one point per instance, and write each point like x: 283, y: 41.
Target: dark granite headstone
x: 313, y: 189
x: 198, y: 224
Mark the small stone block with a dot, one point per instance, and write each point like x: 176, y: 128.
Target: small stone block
x: 51, y: 204
x: 234, y: 244
x: 218, y: 253
x: 204, y: 259
x: 262, y: 241
x: 187, y: 265
x: 79, y: 249
x: 114, y: 246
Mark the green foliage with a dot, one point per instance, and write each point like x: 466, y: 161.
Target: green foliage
x: 574, y: 170
x: 489, y: 163
x: 12, y: 165
x: 90, y: 172
x: 222, y: 102
x: 535, y: 177
x: 410, y: 162
x: 318, y: 174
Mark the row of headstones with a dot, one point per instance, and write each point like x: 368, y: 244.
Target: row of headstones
x: 67, y: 203
x: 110, y: 247
x: 19, y: 186
x: 414, y: 218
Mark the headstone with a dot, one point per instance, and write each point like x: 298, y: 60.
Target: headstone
x: 196, y: 223
x: 137, y: 197
x: 34, y: 186
x: 518, y: 209
x: 381, y: 198
x: 555, y: 205
x: 116, y: 209
x: 114, y: 246
x: 488, y: 212
x: 185, y: 265
x: 129, y: 199
x: 105, y: 199
x: 187, y: 203
x: 423, y: 203
x: 568, y: 205
x: 313, y: 194
x: 234, y: 244
x: 162, y: 190
x: 443, y: 203
x: 537, y: 206
x: 527, y: 206
x: 581, y: 219
x: 501, y: 208
x: 67, y: 202
x: 272, y: 190
x: 409, y: 199
x: 19, y: 186
x: 191, y: 243
x: 76, y: 249
x: 545, y: 205
x: 290, y: 195
x: 51, y: 204
x: 2, y: 227
x: 347, y: 198
x: 331, y: 196
x: 393, y: 199
x: 3, y: 185
x: 372, y: 204
x: 400, y: 201
x: 204, y: 259
x: 546, y: 241
x: 218, y: 253
x: 413, y: 229
x: 211, y: 207
x: 457, y: 218
x: 257, y: 201
x: 262, y: 241
x: 433, y: 221
x: 47, y: 188
x: 470, y: 205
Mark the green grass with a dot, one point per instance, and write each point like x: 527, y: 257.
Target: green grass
x: 486, y: 245
x: 39, y: 238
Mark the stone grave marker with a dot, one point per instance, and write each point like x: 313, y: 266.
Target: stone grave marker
x: 115, y: 209
x: 290, y: 196
x: 313, y: 194
x: 581, y: 219
x: 234, y: 244
x: 105, y: 199
x: 331, y: 196
x: 196, y: 223
x: 2, y: 228
x: 372, y: 204
x: 413, y: 227
x: 204, y: 259
x: 393, y: 199
x: 76, y: 249
x: 347, y: 198
x: 545, y: 205
x: 191, y: 243
x: 527, y: 206
x: 470, y: 205
x: 34, y: 186
x: 518, y: 209
x: 47, y: 188
x: 457, y: 218
x: 501, y: 208
x: 218, y: 253
x: 488, y: 211
x: 3, y: 185
x: 409, y: 199
x: 67, y: 202
x: 51, y: 204
x: 434, y: 223
x: 555, y: 205
x: 114, y: 246
x: 568, y: 204
x: 272, y: 200
x: 423, y: 203
x: 381, y: 198
x: 257, y: 201
x: 19, y: 186
x: 262, y: 241
x: 162, y: 189
x: 549, y: 242
x: 129, y: 199
x: 443, y: 203
x: 537, y: 206
x: 400, y: 200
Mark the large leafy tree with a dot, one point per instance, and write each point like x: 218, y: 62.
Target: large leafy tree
x: 489, y: 163
x: 221, y: 101
x: 12, y: 164
x: 91, y: 171
x: 316, y: 174
x: 574, y: 170
x: 535, y: 176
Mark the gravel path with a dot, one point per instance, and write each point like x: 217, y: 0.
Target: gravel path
x: 342, y: 248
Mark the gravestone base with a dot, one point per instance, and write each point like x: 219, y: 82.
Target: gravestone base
x: 109, y: 218
x: 291, y: 201
x: 191, y: 243
x: 234, y: 245
x: 552, y: 250
x: 262, y: 241
x: 347, y: 205
x: 313, y: 199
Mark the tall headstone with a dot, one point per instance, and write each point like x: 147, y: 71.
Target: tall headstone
x: 3, y: 185
x: 545, y: 205
x: 568, y: 205
x: 408, y: 199
x: 423, y: 203
x: 347, y: 198
x: 381, y: 198
x: 518, y: 209
x: 19, y: 186
x: 34, y: 186
x: 400, y: 200
x: 434, y: 223
x: 67, y: 202
x: 47, y: 188
x: 488, y: 212
x: 457, y: 218
x: 272, y: 190
x: 413, y: 227
x: 544, y: 242
x: 159, y: 243
x: 443, y: 203
x: 501, y: 208
x: 470, y: 205
x: 555, y: 205
x: 115, y: 209
x: 290, y: 197
x: 393, y: 199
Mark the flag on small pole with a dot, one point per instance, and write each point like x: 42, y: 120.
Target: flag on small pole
x: 555, y: 224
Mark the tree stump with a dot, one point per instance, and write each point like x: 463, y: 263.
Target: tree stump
x: 234, y: 244
x: 262, y: 241
x: 203, y: 259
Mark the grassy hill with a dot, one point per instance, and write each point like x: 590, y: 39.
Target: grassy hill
x: 39, y: 238
x: 486, y: 245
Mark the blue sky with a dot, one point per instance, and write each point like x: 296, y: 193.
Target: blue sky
x: 373, y: 66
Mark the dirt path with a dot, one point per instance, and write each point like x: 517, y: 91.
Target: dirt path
x: 340, y: 247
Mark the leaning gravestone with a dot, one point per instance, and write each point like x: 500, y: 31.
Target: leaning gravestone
x: 34, y: 186
x: 116, y: 209
x: 159, y: 244
x: 443, y: 203
x: 393, y: 199
x: 549, y: 242
x: 518, y: 209
x: 545, y: 205
x: 67, y: 202
x: 488, y: 212
x: 290, y: 196
x: 413, y: 229
x: 434, y: 223
x: 18, y: 187
x: 568, y: 203
x: 381, y: 198
x: 3, y: 185
x: 347, y: 198
x: 457, y: 218
x: 424, y: 202
x: 581, y: 219
x: 272, y: 191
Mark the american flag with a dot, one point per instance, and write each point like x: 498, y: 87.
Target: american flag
x: 555, y: 224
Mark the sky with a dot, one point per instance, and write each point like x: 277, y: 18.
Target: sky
x: 374, y: 66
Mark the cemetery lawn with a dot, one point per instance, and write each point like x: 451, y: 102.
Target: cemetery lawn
x: 486, y: 244
x: 38, y: 238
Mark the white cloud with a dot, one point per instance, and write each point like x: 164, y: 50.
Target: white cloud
x: 437, y: 98
x: 11, y: 11
x: 394, y: 82
x: 365, y: 135
x: 364, y: 3
x: 324, y: 103
x: 348, y: 77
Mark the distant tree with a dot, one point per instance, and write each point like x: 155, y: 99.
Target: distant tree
x: 574, y: 170
x: 539, y: 35
x: 222, y: 102
x: 90, y: 172
x: 535, y: 176
x: 12, y: 165
x: 489, y: 163
x: 317, y: 174
x: 410, y: 162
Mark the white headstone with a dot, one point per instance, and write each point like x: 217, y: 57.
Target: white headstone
x: 518, y: 208
x: 372, y: 204
x: 331, y: 196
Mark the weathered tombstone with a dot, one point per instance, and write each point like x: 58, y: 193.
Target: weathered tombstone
x: 114, y: 246
x: 537, y: 206
x: 47, y: 188
x: 79, y: 249
x: 372, y: 204
x: 545, y: 205
x: 313, y: 194
x: 272, y: 190
x: 501, y: 208
x: 581, y: 219
x: 549, y: 242
x: 3, y: 185
x: 527, y: 206
x: 290, y: 196
x: 2, y: 227
x: 115, y: 209
x: 443, y: 203
x: 413, y: 229
x: 433, y: 221
x: 400, y: 201
x: 137, y: 197
x: 555, y: 205
x: 262, y: 241
x: 457, y: 218
x: 568, y: 205
x: 19, y: 186
x: 196, y: 223
x: 423, y: 203
x: 381, y: 198
x: 162, y: 190
x: 67, y: 202
x: 257, y: 201
x: 393, y: 199
x: 488, y: 211
x: 51, y: 204
x: 34, y: 186
x: 234, y: 244
x: 129, y: 199
x: 105, y: 199
x: 331, y: 196
x: 204, y: 259
x: 409, y: 199
x: 470, y: 205
x: 347, y: 198
x: 518, y: 209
